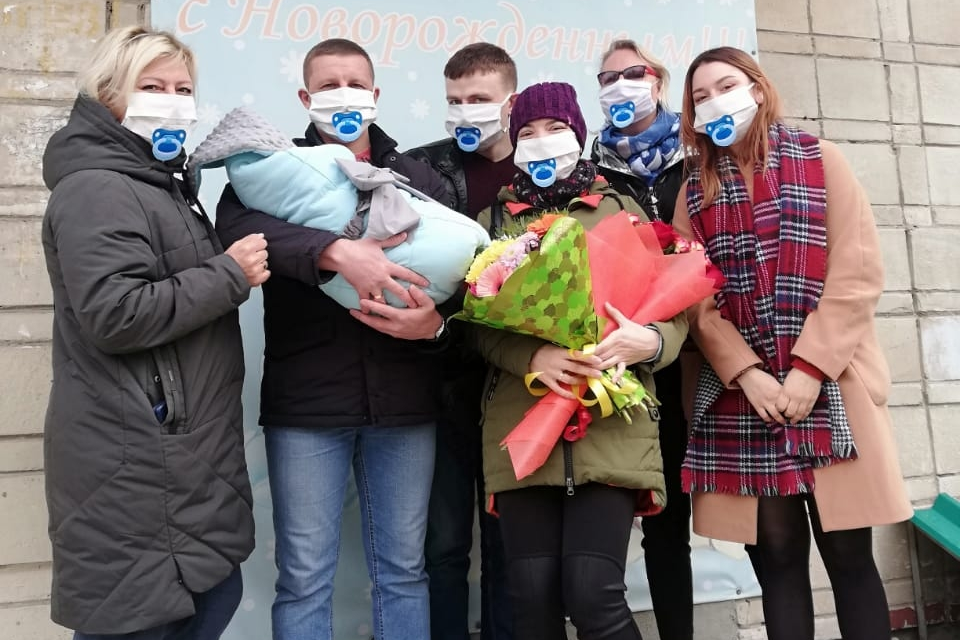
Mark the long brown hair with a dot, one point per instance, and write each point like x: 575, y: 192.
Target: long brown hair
x: 754, y: 147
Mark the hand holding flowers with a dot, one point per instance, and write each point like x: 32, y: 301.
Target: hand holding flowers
x: 560, y: 369
x: 628, y: 344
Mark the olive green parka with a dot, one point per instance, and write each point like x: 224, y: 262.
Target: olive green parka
x: 612, y: 452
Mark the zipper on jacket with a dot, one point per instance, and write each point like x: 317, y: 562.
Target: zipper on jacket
x: 655, y: 210
x: 494, y: 379
x: 174, y: 427
x: 568, y: 466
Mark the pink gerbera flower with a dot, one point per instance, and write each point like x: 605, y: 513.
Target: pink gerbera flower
x: 491, y: 279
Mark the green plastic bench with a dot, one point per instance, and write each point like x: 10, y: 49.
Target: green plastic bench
x: 940, y: 523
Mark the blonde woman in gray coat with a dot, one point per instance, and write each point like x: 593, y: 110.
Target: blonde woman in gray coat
x: 147, y: 488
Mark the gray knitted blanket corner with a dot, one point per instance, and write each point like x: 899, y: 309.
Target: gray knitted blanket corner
x: 241, y: 130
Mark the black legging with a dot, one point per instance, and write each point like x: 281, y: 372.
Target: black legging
x: 781, y: 560
x: 567, y: 555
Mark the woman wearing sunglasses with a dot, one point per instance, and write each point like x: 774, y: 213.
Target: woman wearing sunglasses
x: 638, y: 152
x: 790, y: 429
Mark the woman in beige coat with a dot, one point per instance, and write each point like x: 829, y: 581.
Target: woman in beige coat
x: 790, y: 424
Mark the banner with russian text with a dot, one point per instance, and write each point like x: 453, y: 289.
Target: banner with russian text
x: 250, y: 52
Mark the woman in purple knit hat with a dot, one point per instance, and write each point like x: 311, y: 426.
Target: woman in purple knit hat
x: 566, y: 526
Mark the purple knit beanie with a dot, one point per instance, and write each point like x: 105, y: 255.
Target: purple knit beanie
x: 556, y: 100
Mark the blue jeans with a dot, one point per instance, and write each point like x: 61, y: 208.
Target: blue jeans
x: 308, y: 470
x: 214, y: 609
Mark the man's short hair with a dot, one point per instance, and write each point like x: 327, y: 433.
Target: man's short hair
x: 482, y: 57
x: 335, y: 47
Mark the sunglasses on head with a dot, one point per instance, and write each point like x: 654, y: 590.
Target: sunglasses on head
x: 636, y: 72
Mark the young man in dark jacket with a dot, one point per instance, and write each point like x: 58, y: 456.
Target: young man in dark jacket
x: 475, y: 162
x: 343, y: 388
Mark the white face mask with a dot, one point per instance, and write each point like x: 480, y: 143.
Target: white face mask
x: 475, y: 126
x: 162, y: 119
x: 726, y: 117
x: 626, y: 101
x: 344, y: 113
x: 548, y: 158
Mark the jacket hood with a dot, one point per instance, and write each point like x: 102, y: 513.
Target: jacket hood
x: 93, y: 139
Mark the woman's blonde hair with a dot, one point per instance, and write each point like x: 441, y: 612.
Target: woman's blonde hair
x: 652, y: 60
x: 120, y: 57
x: 754, y: 147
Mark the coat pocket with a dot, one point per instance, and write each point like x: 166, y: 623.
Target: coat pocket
x: 210, y: 456
x: 176, y: 260
x: 875, y: 378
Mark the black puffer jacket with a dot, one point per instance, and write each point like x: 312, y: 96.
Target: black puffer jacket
x: 464, y: 370
x: 657, y: 201
x: 321, y: 367
x: 142, y: 510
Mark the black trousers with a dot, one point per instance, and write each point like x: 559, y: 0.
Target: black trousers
x: 567, y: 555
x: 666, y: 536
x: 455, y: 498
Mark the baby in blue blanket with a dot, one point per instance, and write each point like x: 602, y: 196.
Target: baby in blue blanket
x: 324, y: 187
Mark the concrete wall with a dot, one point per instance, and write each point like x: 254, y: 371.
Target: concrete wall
x: 881, y: 77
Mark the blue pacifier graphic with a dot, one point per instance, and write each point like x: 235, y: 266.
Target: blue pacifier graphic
x: 543, y: 172
x: 167, y: 143
x: 347, y: 125
x: 621, y: 115
x: 722, y: 131
x: 468, y: 138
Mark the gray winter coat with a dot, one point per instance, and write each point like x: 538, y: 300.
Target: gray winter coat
x: 142, y: 511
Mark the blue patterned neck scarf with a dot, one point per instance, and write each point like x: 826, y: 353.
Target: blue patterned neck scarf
x: 649, y: 152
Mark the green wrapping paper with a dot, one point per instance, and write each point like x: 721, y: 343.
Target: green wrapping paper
x: 548, y: 296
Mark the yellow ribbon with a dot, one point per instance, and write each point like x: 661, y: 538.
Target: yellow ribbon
x: 598, y: 386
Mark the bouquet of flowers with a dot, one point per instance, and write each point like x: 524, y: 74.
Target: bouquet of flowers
x: 552, y: 279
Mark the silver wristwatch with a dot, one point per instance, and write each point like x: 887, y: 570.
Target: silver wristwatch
x: 441, y: 330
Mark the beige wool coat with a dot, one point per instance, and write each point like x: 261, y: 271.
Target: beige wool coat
x: 840, y: 339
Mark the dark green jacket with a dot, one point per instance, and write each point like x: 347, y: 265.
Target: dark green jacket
x: 143, y: 511
x: 612, y: 452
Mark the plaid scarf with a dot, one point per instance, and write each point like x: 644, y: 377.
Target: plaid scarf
x: 557, y: 195
x: 773, y: 255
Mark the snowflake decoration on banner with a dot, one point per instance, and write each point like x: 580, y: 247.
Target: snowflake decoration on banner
x: 247, y: 99
x: 419, y: 109
x: 291, y: 66
x: 209, y: 113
